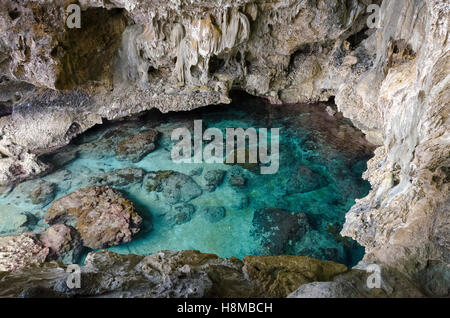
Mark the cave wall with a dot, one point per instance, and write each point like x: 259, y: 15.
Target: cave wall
x: 391, y: 81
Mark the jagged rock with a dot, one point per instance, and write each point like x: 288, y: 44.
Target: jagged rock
x: 179, y: 213
x: 169, y: 58
x: 20, y: 251
x: 318, y: 245
x: 43, y: 194
x: 213, y: 179
x: 213, y: 213
x: 353, y: 284
x: 278, y: 276
x: 102, y: 216
x: 137, y: 147
x: 278, y: 229
x: 238, y: 181
x: 119, y: 177
x: 175, y: 186
x: 64, y: 243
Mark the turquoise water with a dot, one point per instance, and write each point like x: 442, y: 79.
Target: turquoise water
x: 321, y: 162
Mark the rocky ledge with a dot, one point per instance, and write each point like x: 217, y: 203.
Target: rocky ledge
x: 194, y: 274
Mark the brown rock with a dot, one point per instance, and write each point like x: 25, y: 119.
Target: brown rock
x: 102, y: 216
x: 137, y: 147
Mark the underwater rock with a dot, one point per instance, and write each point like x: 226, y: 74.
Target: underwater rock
x: 318, y: 245
x: 173, y: 274
x: 279, y: 229
x: 305, y: 180
x: 237, y: 181
x: 43, y: 194
x: 102, y: 216
x: 237, y: 178
x: 12, y: 222
x: 241, y: 201
x: 19, y: 251
x: 179, y: 213
x: 353, y: 284
x: 278, y: 276
x: 34, y: 192
x: 213, y: 213
x: 213, y: 179
x: 175, y: 186
x: 137, y: 147
x: 119, y: 177
x: 64, y: 243
x: 196, y: 172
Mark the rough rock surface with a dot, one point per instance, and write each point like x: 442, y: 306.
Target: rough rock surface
x: 20, y: 251
x: 64, y: 243
x: 392, y: 81
x: 119, y: 177
x: 213, y: 179
x: 137, y: 147
x: 278, y: 275
x: 102, y: 216
x: 34, y: 192
x: 175, y: 186
x: 15, y: 223
x: 213, y: 213
x: 278, y: 228
x: 172, y: 274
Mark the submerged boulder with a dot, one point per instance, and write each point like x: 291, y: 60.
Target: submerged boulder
x: 102, y: 216
x: 138, y: 146
x: 64, y: 243
x: 175, y: 186
x: 19, y: 251
x: 213, y: 179
x: 119, y: 177
x: 213, y: 213
x: 279, y: 229
x: 179, y: 214
x: 12, y: 222
x: 278, y: 276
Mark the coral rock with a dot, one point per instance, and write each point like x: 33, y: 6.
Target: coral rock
x: 102, y: 216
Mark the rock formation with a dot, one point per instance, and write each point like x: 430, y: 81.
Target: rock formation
x: 130, y: 56
x: 171, y: 274
x: 102, y: 216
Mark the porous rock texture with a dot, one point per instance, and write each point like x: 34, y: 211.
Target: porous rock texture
x: 392, y: 81
x: 171, y: 274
